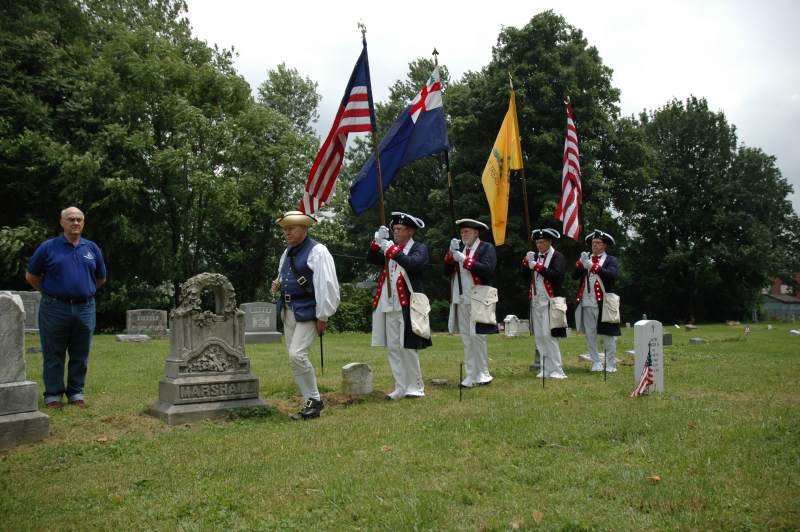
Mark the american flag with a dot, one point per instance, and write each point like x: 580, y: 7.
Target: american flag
x: 571, y: 193
x: 356, y: 115
x: 647, y: 377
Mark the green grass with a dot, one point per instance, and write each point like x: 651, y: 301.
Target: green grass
x: 724, y: 439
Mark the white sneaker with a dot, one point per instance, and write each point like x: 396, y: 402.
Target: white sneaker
x: 597, y: 366
x: 611, y: 369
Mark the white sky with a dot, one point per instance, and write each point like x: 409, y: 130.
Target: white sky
x: 740, y: 55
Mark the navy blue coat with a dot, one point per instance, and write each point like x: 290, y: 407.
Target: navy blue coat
x: 414, y: 264
x: 482, y: 266
x: 608, y: 273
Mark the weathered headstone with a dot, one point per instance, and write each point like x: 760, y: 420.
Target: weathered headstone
x: 511, y: 323
x: 207, y: 372
x: 133, y: 338
x: 20, y: 420
x: 667, y: 340
x: 356, y: 379
x: 31, y: 301
x: 648, y: 337
x: 260, y: 323
x: 147, y: 321
x: 696, y: 341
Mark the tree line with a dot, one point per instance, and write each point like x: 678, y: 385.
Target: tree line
x: 115, y: 107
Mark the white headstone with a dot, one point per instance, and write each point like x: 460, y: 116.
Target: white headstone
x: 648, y: 337
x: 356, y: 379
x: 512, y: 324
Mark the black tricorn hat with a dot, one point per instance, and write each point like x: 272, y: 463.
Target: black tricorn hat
x: 545, y: 233
x: 407, y: 220
x: 602, y: 235
x: 472, y: 224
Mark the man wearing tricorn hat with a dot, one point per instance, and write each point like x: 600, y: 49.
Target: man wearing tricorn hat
x: 474, y: 261
x: 308, y: 295
x: 404, y: 261
x: 544, y: 271
x: 598, y: 273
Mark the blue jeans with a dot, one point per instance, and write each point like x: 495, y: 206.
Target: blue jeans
x: 65, y: 327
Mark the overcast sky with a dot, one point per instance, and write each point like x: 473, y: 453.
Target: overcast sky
x: 742, y: 56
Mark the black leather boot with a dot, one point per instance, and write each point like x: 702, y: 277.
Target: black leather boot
x: 310, y: 410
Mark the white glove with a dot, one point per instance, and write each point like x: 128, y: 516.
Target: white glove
x: 587, y: 264
x: 458, y: 256
x: 385, y: 245
x: 383, y: 232
x: 531, y: 256
x: 454, y: 244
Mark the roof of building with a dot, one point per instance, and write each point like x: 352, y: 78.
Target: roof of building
x: 785, y: 298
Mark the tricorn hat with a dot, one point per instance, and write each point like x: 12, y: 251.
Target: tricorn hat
x: 407, y: 220
x: 295, y: 218
x: 545, y: 233
x: 602, y: 235
x: 472, y: 224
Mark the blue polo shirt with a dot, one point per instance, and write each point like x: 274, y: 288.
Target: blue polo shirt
x: 68, y: 271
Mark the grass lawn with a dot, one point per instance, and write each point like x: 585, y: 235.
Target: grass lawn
x: 724, y: 440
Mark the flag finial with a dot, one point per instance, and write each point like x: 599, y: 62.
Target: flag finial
x: 363, y: 28
x: 510, y: 81
x: 435, y: 54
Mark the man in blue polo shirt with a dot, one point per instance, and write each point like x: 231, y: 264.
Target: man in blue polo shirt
x: 67, y: 270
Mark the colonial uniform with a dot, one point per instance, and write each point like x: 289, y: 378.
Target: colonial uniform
x: 603, y: 269
x: 544, y: 273
x: 391, y: 318
x: 476, y: 268
x: 309, y: 291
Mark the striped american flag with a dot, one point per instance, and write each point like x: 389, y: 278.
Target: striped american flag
x: 647, y: 377
x: 356, y: 115
x: 571, y: 193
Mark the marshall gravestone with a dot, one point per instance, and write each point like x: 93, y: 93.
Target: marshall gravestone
x: 260, y: 323
x: 20, y: 420
x: 207, y: 372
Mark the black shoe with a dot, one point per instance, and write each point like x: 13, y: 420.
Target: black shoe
x: 310, y: 410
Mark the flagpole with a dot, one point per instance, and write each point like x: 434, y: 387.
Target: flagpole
x: 524, y: 183
x: 377, y: 155
x: 450, y: 194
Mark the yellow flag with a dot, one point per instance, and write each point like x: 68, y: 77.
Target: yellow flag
x: 506, y: 156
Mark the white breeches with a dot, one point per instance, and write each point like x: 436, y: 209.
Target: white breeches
x: 404, y: 362
x: 547, y: 345
x: 299, y: 336
x: 476, y: 350
x: 609, y: 342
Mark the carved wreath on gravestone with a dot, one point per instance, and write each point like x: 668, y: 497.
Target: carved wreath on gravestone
x: 214, y: 358
x: 192, y: 294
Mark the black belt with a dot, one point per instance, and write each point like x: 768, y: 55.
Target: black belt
x: 288, y: 298
x: 72, y: 300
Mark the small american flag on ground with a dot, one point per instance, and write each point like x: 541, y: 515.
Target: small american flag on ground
x: 647, y: 377
x: 571, y: 191
x: 356, y: 115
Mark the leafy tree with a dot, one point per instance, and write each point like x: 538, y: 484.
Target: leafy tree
x: 708, y: 222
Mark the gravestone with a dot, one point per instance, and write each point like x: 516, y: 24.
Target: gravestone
x: 31, y: 301
x: 20, y: 420
x: 648, y: 337
x: 147, y: 321
x: 696, y: 340
x: 133, y: 338
x: 207, y: 372
x: 356, y: 379
x: 667, y: 340
x: 511, y: 323
x: 260, y: 323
